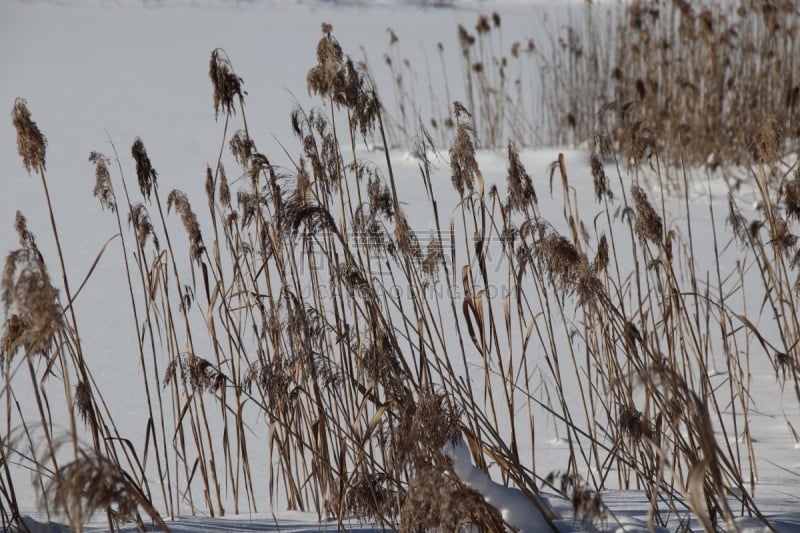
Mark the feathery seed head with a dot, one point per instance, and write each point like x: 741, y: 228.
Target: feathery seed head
x: 737, y: 221
x: 601, y: 259
x: 380, y: 198
x: 83, y: 401
x: 224, y: 193
x: 145, y: 172
x: 227, y: 85
x: 568, y: 269
x: 483, y: 25
x: 103, y: 190
x: 405, y: 239
x: 26, y: 238
x: 791, y: 196
x: 462, y: 159
x: 465, y: 39
x: 200, y: 374
x: 768, y: 140
x: 140, y: 220
x: 601, y: 187
x: 28, y: 293
x: 94, y: 483
x: 520, y: 186
x: 31, y: 143
x: 434, y: 256
x: 179, y: 200
x: 327, y: 74
x: 648, y: 223
x: 242, y: 147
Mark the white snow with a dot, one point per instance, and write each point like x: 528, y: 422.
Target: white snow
x: 516, y: 508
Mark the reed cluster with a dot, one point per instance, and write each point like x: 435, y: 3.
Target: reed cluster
x: 274, y: 340
x: 699, y: 79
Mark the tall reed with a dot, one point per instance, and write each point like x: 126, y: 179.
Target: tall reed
x: 311, y: 334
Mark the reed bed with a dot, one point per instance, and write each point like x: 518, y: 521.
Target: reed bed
x: 275, y: 338
x: 697, y: 78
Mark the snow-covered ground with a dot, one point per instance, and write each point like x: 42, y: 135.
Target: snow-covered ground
x: 110, y: 70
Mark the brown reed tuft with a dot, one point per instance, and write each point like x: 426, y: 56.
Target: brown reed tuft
x: 754, y: 228
x: 361, y: 97
x: 369, y: 231
x: 434, y: 256
x: 26, y: 238
x: 483, y: 25
x: 785, y: 366
x: 434, y: 422
x: 601, y: 186
x: 369, y: 495
x: 200, y: 374
x: 315, y: 217
x: 180, y: 202
x: 248, y: 204
x: 243, y: 148
x: 791, y: 197
x: 274, y: 380
x: 642, y: 142
x: 327, y: 75
x: 380, y: 197
x: 94, y: 483
x: 103, y: 190
x: 227, y: 85
x: 405, y: 239
x: 378, y: 361
x: 354, y: 280
x: 648, y: 223
x: 631, y: 333
x: 337, y: 77
x: 224, y: 191
x: 303, y: 192
x: 568, y: 269
x: 210, y: 185
x: 781, y: 237
x: 737, y: 221
x: 631, y: 423
x: 767, y: 140
x: 31, y: 143
x: 601, y: 259
x: 508, y: 238
x: 496, y: 19
x: 465, y: 38
x: 140, y: 220
x: 28, y: 293
x: 83, y: 401
x: 462, y: 159
x: 436, y: 500
x: 145, y: 172
x: 13, y: 329
x: 521, y: 193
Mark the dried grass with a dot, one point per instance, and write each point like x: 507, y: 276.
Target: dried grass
x: 360, y: 386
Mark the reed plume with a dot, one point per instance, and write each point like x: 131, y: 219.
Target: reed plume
x: 227, y: 85
x: 31, y: 143
x: 29, y: 295
x: 145, y: 172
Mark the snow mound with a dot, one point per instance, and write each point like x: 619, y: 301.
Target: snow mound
x: 516, y: 508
